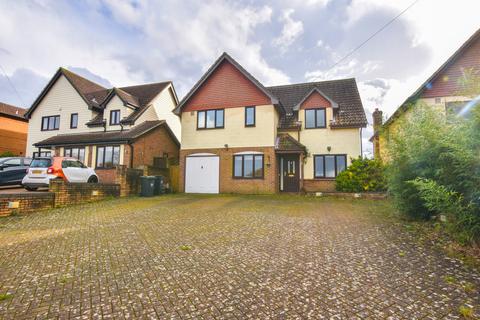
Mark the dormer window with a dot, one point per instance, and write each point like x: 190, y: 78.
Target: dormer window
x: 315, y: 118
x: 114, y: 117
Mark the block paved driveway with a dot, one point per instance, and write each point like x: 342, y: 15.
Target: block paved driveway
x: 250, y: 257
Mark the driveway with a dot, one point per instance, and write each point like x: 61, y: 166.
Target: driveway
x: 225, y: 257
x: 18, y: 190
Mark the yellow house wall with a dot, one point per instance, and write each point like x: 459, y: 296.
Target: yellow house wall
x: 234, y: 133
x: 389, y: 131
x: 341, y: 141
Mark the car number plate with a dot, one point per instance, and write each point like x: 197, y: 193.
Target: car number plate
x: 36, y: 171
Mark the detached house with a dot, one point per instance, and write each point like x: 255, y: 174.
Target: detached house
x: 13, y: 129
x: 447, y: 90
x: 102, y: 127
x: 240, y: 136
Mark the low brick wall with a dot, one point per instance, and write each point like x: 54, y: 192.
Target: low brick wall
x: 25, y: 202
x: 361, y: 195
x: 316, y: 185
x: 73, y: 193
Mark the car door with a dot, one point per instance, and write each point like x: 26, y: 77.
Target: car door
x: 83, y: 171
x: 12, y: 172
x: 70, y: 171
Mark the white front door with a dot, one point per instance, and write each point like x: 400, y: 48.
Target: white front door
x: 202, y: 174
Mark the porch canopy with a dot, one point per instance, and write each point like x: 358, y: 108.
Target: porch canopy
x: 285, y: 143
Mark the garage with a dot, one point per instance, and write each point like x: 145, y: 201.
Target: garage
x: 202, y: 173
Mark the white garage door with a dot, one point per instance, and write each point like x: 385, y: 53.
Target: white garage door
x: 202, y: 174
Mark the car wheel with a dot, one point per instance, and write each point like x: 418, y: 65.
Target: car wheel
x: 30, y: 188
x: 92, y: 179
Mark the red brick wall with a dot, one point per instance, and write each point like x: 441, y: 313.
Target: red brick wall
x: 151, y: 145
x: 28, y: 202
x: 315, y: 100
x: 13, y: 135
x: 106, y: 175
x: 226, y: 88
x: 74, y: 193
x: 269, y: 184
x: 446, y: 83
x: 315, y: 185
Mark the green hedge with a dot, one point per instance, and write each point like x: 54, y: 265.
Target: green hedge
x: 363, y: 175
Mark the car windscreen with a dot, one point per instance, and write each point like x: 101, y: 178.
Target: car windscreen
x: 41, y: 163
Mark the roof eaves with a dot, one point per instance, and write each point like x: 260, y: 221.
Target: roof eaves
x: 404, y: 106
x: 206, y: 75
x: 315, y: 89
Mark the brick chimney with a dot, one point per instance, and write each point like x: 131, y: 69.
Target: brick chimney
x: 377, y: 120
x: 377, y: 124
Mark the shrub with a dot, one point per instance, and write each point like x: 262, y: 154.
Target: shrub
x: 434, y: 169
x: 7, y: 154
x: 362, y: 175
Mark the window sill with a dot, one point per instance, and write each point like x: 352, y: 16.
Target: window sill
x: 324, y: 178
x: 200, y: 129
x: 243, y: 178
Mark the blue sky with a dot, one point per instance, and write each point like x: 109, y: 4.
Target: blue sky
x: 119, y: 43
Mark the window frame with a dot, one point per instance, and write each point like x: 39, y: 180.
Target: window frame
x: 49, y: 118
x: 104, y: 154
x: 70, y: 153
x: 253, y: 177
x: 316, y: 111
x: 254, y: 116
x: 216, y: 118
x: 324, y: 165
x: 71, y: 120
x: 111, y: 118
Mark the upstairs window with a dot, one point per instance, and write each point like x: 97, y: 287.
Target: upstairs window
x: 329, y: 166
x: 249, y: 116
x: 73, y: 120
x: 50, y: 123
x: 315, y: 118
x: 210, y: 119
x: 114, y: 117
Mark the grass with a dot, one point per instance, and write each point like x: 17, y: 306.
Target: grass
x: 466, y: 312
x: 5, y: 296
x: 185, y: 247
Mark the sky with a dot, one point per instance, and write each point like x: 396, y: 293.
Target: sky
x: 127, y: 42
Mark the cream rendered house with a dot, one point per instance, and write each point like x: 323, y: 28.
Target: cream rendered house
x: 239, y: 136
x: 102, y: 127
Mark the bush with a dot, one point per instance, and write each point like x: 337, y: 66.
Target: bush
x: 462, y: 216
x: 434, y: 169
x: 363, y: 175
x: 7, y: 154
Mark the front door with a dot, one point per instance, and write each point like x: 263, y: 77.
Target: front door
x: 289, y: 173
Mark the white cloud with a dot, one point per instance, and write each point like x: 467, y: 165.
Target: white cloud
x: 292, y: 29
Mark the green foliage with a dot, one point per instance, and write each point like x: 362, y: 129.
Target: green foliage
x: 7, y: 154
x: 363, y: 175
x: 435, y: 169
x: 466, y: 312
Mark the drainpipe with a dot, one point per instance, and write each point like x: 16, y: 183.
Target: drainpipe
x: 361, y: 143
x: 130, y: 144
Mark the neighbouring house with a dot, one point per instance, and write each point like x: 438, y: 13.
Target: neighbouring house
x: 104, y: 127
x: 239, y: 136
x: 13, y: 129
x: 449, y: 89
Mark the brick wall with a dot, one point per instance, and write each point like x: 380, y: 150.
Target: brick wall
x: 107, y: 175
x: 27, y: 202
x: 151, y: 145
x: 315, y: 185
x: 226, y: 87
x: 73, y: 193
x: 315, y: 100
x: 269, y: 184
